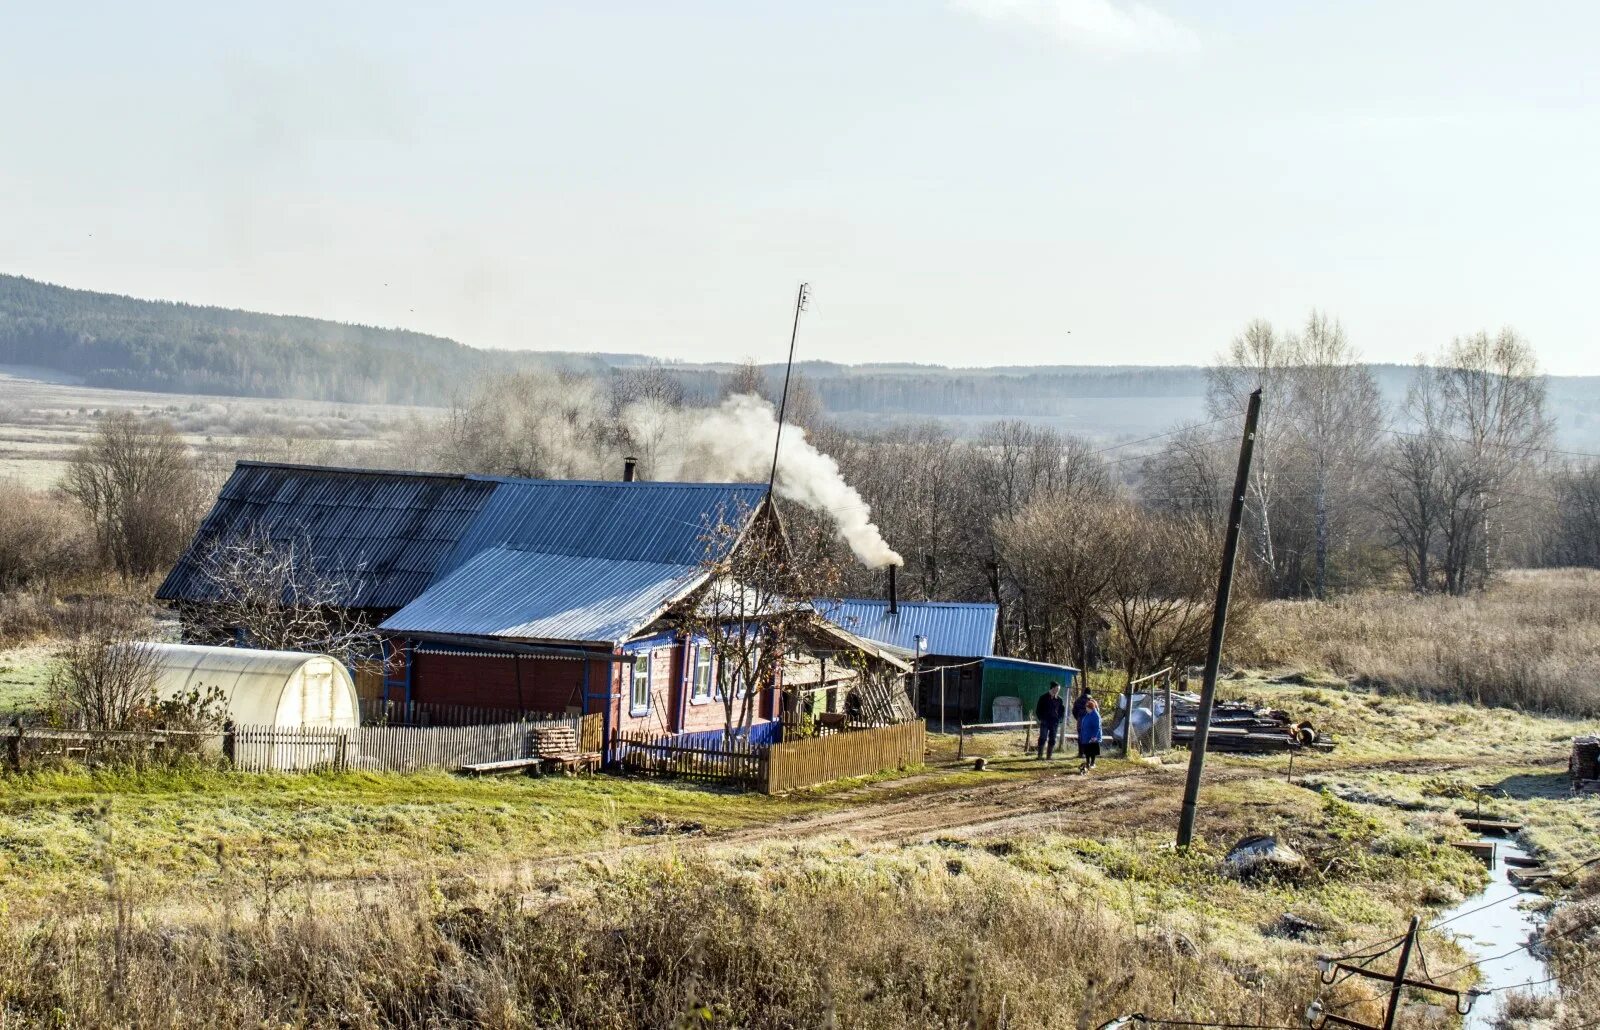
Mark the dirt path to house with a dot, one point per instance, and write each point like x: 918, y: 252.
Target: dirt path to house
x: 917, y: 810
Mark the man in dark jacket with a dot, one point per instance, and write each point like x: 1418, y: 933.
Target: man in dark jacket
x: 1050, y: 711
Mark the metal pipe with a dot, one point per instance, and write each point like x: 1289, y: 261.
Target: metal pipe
x: 630, y: 468
x: 894, y: 599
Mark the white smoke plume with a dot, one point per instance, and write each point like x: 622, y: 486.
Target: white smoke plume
x: 733, y: 442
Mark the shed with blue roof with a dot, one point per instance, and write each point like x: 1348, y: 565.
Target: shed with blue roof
x: 952, y: 643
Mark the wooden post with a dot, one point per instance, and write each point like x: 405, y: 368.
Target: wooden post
x: 1166, y: 715
x: 1400, y: 975
x: 942, y: 671
x: 1219, y: 622
x: 1127, y: 723
x: 14, y: 746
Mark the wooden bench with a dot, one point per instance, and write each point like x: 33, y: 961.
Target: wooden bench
x: 510, y: 765
x: 556, y: 749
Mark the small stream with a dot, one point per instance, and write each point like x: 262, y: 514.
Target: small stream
x: 1495, y: 931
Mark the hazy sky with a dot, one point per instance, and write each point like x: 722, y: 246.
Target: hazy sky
x: 964, y: 182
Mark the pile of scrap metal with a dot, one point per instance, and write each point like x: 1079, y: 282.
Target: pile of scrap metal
x: 1240, y: 727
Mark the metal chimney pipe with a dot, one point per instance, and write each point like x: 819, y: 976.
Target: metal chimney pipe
x: 630, y: 469
x: 894, y: 598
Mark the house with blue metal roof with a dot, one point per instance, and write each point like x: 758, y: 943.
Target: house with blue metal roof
x: 951, y: 644
x: 497, y: 592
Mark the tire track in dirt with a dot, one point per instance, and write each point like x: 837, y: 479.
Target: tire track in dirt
x: 1052, y: 803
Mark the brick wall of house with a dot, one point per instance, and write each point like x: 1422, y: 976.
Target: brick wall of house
x: 502, y: 681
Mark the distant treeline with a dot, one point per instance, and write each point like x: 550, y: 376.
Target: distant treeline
x: 125, y: 343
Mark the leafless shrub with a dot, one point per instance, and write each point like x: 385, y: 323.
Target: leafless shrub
x: 275, y: 595
x: 40, y: 542
x: 104, y: 673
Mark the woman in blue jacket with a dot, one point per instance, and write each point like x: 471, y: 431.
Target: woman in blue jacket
x: 1089, y: 735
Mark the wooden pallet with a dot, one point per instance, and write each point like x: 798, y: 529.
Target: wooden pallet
x: 555, y: 749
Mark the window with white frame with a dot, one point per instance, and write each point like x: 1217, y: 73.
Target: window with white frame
x: 700, y: 686
x: 639, y: 696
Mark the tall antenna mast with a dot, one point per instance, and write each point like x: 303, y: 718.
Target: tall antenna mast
x: 783, y: 399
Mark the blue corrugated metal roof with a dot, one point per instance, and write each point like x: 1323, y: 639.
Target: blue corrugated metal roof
x: 651, y: 522
x: 531, y: 595
x: 952, y: 628
x: 393, y: 534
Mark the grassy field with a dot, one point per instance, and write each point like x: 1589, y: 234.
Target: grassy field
x: 23, y: 673
x: 43, y: 417
x: 1531, y: 641
x: 936, y: 897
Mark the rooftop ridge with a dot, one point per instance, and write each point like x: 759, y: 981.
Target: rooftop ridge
x: 480, y: 477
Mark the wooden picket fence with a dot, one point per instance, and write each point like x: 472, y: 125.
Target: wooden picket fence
x: 775, y: 768
x: 801, y: 763
x: 592, y: 733
x: 288, y: 749
x: 658, y: 755
x: 383, y: 748
x: 404, y: 748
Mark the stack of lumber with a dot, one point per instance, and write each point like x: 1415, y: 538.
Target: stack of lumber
x: 1585, y: 762
x: 1240, y: 727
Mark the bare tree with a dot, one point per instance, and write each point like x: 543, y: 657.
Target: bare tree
x: 271, y: 594
x: 140, y: 490
x: 1492, y: 408
x: 1471, y: 454
x: 1064, y: 553
x: 1319, y: 429
x: 745, y: 378
x: 1162, y: 592
x: 104, y: 673
x: 1186, y: 476
x: 1013, y: 464
x: 1337, y: 418
x: 647, y: 383
x: 754, y: 608
x: 1260, y: 357
x: 1578, y: 515
x: 1410, y: 500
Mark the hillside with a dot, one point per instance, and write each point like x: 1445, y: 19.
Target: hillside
x: 125, y: 343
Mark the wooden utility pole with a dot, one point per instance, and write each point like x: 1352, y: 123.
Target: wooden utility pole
x: 1219, y: 621
x: 1400, y: 974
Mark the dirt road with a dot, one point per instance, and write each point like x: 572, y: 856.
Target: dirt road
x: 918, y: 809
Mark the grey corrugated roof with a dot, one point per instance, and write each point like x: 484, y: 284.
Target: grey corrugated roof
x: 952, y: 628
x: 531, y: 595
x: 392, y: 534
x: 383, y: 533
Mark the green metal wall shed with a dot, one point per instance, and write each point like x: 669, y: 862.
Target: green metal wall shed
x: 1027, y: 681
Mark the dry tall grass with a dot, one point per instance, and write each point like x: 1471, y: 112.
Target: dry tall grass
x: 1532, y: 641
x: 924, y: 938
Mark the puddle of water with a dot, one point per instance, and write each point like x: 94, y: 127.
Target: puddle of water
x: 1495, y: 931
